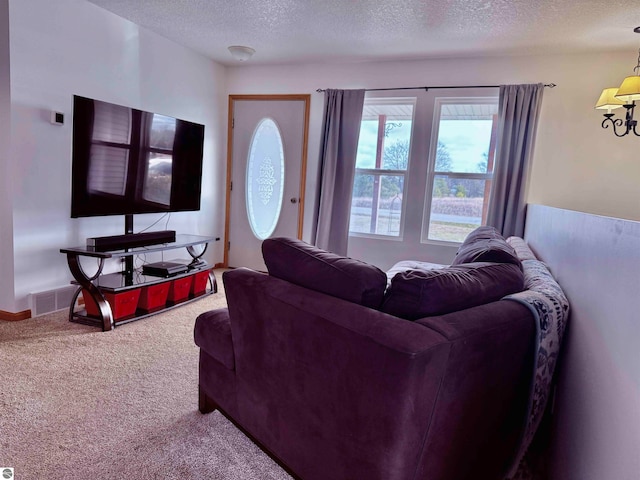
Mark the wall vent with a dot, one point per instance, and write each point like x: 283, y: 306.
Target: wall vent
x: 51, y: 300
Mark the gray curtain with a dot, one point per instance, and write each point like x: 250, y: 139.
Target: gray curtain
x: 518, y: 112
x: 338, y: 147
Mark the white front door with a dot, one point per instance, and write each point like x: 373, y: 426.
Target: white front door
x: 266, y: 161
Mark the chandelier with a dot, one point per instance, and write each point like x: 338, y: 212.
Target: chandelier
x: 625, y: 97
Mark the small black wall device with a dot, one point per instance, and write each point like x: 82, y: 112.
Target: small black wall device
x: 119, y: 242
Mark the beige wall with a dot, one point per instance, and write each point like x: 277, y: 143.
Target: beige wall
x: 577, y: 164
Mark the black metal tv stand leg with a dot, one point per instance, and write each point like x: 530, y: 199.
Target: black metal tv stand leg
x: 128, y: 261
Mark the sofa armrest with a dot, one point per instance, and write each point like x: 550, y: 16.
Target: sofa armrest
x: 485, y: 390
x: 212, y: 333
x: 324, y: 380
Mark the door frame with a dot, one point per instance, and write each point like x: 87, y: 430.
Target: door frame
x: 306, y: 98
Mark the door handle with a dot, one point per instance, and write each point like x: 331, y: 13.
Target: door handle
x: 294, y: 200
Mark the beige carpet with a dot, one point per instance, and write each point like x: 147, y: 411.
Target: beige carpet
x: 77, y: 403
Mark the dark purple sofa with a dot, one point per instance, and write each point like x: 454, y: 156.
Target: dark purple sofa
x: 315, y: 363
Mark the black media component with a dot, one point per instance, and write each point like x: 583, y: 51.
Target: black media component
x: 128, y: 161
x: 164, y: 269
x: 120, y: 242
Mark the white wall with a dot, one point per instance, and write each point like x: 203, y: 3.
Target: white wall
x: 6, y: 214
x: 69, y: 47
x: 596, y: 425
x: 577, y: 164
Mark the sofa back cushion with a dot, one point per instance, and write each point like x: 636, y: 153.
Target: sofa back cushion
x: 302, y: 264
x: 485, y: 244
x: 422, y: 293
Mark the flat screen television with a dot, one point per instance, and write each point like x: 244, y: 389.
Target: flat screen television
x: 128, y: 161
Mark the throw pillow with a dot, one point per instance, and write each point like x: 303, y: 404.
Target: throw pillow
x: 422, y: 293
x: 308, y: 266
x: 485, y: 244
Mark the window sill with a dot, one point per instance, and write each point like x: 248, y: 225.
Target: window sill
x: 376, y: 236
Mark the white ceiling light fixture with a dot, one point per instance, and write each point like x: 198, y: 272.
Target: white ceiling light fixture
x: 241, y: 53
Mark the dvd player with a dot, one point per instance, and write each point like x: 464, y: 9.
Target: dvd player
x: 164, y: 269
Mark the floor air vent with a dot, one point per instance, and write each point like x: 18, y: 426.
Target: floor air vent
x: 51, y: 300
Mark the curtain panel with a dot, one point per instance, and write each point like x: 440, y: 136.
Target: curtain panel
x: 518, y: 113
x: 338, y: 148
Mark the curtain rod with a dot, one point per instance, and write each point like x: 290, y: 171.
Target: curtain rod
x: 550, y: 85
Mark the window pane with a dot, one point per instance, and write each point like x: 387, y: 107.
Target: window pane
x: 459, y: 199
x: 384, y: 144
x: 265, y: 178
x: 396, y: 149
x: 457, y: 207
x: 376, y: 206
x: 464, y: 137
x: 367, y: 144
x: 385, y: 134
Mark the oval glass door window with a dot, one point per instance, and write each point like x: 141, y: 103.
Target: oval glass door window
x: 265, y: 178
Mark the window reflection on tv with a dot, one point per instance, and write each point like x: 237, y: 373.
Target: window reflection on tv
x: 157, y: 181
x: 159, y: 160
x: 129, y: 161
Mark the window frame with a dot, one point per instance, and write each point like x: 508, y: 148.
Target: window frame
x: 432, y: 173
x: 381, y: 172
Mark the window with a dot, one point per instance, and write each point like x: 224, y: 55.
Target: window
x: 265, y: 178
x: 461, y: 161
x: 424, y: 167
x: 382, y: 161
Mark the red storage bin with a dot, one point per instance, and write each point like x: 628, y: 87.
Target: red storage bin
x: 154, y: 297
x: 123, y: 304
x: 179, y: 289
x: 199, y: 284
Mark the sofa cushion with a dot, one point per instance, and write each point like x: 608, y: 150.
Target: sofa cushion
x: 421, y: 293
x: 302, y: 264
x: 212, y: 333
x: 485, y: 244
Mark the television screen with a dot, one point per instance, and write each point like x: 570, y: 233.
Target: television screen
x: 128, y: 161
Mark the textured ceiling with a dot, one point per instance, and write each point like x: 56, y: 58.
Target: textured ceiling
x: 295, y: 31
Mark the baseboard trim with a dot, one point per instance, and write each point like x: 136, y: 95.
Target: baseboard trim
x: 219, y: 265
x: 14, y: 317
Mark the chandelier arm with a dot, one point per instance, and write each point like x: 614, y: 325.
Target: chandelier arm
x: 615, y: 130
x: 614, y: 124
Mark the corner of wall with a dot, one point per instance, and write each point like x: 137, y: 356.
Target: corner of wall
x: 7, y: 300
